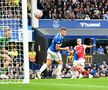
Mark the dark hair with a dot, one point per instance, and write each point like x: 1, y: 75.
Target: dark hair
x: 63, y: 28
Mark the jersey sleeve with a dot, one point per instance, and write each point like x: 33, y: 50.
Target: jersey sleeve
x: 75, y: 48
x: 57, y: 40
x: 84, y: 46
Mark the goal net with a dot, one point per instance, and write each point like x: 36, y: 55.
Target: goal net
x: 12, y: 43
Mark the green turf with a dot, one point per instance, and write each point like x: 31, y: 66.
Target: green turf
x: 64, y: 84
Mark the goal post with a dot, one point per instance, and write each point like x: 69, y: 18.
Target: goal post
x: 25, y: 41
x: 35, y: 21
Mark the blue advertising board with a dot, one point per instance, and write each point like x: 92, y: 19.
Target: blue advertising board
x: 73, y: 23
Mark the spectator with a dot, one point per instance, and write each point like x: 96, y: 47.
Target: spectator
x: 32, y: 55
x: 100, y: 50
x: 54, y: 70
x: 87, y: 17
x: 105, y: 16
x: 13, y: 50
x: 32, y: 58
x: 66, y: 71
x: 101, y: 70
x: 106, y: 49
x: 104, y: 64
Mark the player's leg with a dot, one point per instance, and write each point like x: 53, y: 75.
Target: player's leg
x: 60, y: 64
x: 44, y: 66
x: 79, y: 72
x: 85, y: 72
x: 50, y: 55
x: 82, y: 67
x: 73, y: 73
x: 74, y: 70
x: 59, y: 68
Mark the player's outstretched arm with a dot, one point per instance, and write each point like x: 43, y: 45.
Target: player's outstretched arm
x: 71, y: 51
x: 90, y: 46
x: 60, y: 48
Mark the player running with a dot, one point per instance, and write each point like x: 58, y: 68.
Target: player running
x: 53, y: 53
x: 80, y: 49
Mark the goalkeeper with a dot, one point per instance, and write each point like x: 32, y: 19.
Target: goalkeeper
x: 5, y: 59
x: 4, y: 44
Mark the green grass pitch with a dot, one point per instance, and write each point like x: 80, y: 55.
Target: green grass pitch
x: 63, y: 84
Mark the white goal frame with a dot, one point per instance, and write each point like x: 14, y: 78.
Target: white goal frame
x: 25, y: 41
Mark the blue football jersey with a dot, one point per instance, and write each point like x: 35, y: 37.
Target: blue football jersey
x: 75, y: 56
x: 58, y: 39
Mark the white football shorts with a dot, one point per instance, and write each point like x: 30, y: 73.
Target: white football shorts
x: 53, y: 55
x: 81, y: 62
x: 75, y: 63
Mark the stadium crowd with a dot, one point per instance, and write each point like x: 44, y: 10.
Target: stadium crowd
x: 97, y: 70
x: 74, y: 9
x: 10, y: 9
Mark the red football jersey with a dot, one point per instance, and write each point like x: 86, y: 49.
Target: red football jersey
x: 80, y: 51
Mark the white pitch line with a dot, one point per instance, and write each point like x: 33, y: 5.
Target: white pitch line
x: 71, y: 85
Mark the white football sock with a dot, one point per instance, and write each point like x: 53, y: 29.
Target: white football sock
x: 73, y: 73
x: 59, y: 68
x: 44, y: 66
